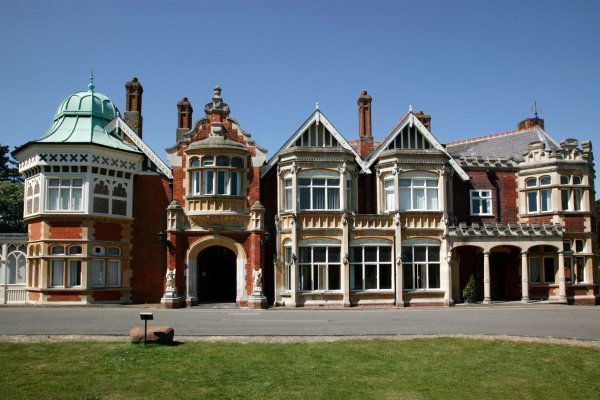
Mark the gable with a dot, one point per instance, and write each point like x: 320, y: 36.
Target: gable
x: 411, y: 134
x: 316, y: 131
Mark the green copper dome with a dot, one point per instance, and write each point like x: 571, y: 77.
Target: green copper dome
x: 87, y: 103
x: 81, y: 118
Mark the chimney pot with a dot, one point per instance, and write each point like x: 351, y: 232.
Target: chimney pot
x: 133, y: 105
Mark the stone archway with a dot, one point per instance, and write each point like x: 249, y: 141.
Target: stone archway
x: 216, y: 275
x: 194, y: 256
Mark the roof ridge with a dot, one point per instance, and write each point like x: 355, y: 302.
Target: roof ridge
x: 494, y: 135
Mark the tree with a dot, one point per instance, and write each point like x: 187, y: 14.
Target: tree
x: 11, y: 195
x: 8, y: 168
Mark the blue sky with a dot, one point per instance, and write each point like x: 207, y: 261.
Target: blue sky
x: 475, y: 66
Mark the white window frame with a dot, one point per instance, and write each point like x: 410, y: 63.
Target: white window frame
x: 536, y: 193
x: 111, y: 198
x: 318, y: 277
x: 415, y: 268
x: 425, y: 182
x: 16, y: 264
x: 480, y: 196
x: 209, y: 179
x: 389, y: 194
x: 360, y: 266
x: 65, y: 268
x: 66, y: 187
x: 312, y: 183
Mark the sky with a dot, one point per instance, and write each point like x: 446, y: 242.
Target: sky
x: 475, y: 66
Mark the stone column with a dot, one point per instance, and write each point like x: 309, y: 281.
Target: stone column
x: 398, y: 260
x: 487, y: 298
x: 446, y: 273
x: 524, y: 278
x: 562, y: 286
x: 294, y: 267
x: 345, y: 261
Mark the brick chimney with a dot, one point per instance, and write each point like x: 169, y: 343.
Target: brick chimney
x: 133, y: 105
x: 184, y: 117
x: 530, y: 123
x: 365, y: 136
x: 425, y: 119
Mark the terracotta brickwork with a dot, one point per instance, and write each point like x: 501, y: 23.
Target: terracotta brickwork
x: 151, y: 198
x: 65, y: 230
x: 108, y: 231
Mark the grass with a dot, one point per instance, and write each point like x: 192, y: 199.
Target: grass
x: 375, y: 369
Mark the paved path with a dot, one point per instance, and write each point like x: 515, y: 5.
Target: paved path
x: 534, y: 320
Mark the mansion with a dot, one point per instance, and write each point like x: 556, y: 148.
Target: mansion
x: 324, y: 221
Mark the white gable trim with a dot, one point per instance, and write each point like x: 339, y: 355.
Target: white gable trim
x: 315, y: 117
x: 410, y: 119
x: 119, y: 123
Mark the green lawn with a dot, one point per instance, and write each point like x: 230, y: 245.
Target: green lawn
x: 371, y: 369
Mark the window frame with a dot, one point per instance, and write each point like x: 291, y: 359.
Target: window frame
x: 417, y: 266
x: 362, y: 265
x: 66, y: 266
x: 61, y: 188
x: 481, y: 200
x: 412, y: 189
x: 538, y: 195
x: 307, y: 184
x: 320, y: 271
x: 216, y: 175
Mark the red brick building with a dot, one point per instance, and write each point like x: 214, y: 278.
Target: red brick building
x: 325, y: 221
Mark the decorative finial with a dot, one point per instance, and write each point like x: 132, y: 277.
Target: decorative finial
x: 317, y: 105
x: 217, y: 90
x: 410, y: 108
x: 534, y: 109
x: 91, y: 86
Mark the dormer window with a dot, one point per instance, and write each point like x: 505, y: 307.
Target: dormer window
x: 220, y: 176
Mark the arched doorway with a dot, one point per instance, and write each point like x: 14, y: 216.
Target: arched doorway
x: 216, y: 275
x: 505, y: 273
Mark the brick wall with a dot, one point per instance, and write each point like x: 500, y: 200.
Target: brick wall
x: 65, y: 230
x: 108, y: 231
x: 367, y: 194
x: 504, y: 196
x: 148, y: 264
x: 35, y: 231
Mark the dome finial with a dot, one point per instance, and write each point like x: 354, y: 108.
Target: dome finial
x: 91, y: 86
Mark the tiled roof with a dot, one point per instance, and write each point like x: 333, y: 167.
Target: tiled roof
x: 502, y: 145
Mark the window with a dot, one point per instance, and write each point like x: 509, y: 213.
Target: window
x: 110, y: 197
x: 287, y: 273
x: 64, y: 195
x: 574, y: 263
x: 320, y: 268
x: 419, y: 194
x: 371, y: 268
x: 389, y: 189
x: 222, y: 177
x: 542, y: 264
x: 16, y: 262
x: 288, y: 194
x: 539, y: 199
x: 65, y: 271
x: 319, y: 193
x: 571, y: 197
x: 421, y: 267
x: 107, y: 272
x: 32, y: 196
x: 481, y: 202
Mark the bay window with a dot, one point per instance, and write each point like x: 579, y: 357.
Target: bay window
x: 319, y: 268
x: 538, y: 195
x: 574, y: 263
x: 107, y: 272
x: 542, y: 264
x: 65, y: 269
x: 370, y: 267
x: 319, y: 193
x: 389, y: 194
x: 109, y: 197
x: 419, y: 192
x: 571, y: 197
x: 421, y: 267
x: 64, y: 194
x: 222, y: 176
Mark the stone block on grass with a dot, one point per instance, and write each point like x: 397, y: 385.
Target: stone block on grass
x: 154, y: 334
